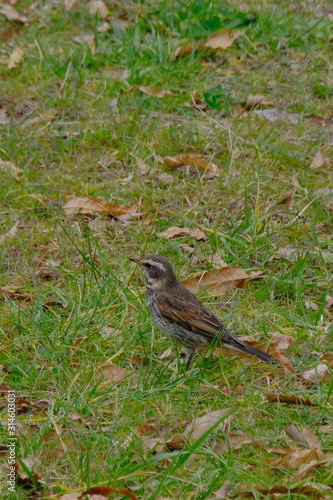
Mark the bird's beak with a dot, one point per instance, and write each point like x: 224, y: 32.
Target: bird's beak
x: 136, y: 260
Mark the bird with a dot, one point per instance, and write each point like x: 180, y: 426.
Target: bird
x: 181, y: 316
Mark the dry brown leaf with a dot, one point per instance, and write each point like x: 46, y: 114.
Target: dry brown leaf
x: 151, y: 91
x: 68, y: 496
x: 148, y: 427
x: 320, y: 160
x: 215, y: 282
x: 75, y: 417
x: 316, y: 374
x: 290, y: 458
x: 177, y: 442
x: 216, y: 261
x: 99, y: 7
x: 188, y: 48
x: 256, y: 100
x: 222, y: 492
x: 4, y: 117
x: 89, y: 39
x: 282, y: 342
x: 222, y: 39
x: 232, y: 441
x: 114, y: 373
x: 173, y: 231
x: 314, y: 491
x: 282, y: 359
x: 195, y: 161
x: 327, y: 358
x: 11, y: 233
x: 16, y: 295
x: 311, y: 305
x: 201, y: 425
x: 294, y: 434
x: 311, y: 438
x: 289, y: 399
x: 88, y: 206
x: 106, y: 490
x: 11, y: 14
x: 16, y: 57
x: 287, y: 200
x: 196, y: 103
x: 13, y: 169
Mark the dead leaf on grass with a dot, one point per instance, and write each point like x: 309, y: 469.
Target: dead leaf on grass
x: 287, y: 200
x: 16, y: 295
x: 311, y: 305
x: 282, y: 359
x: 105, y: 491
x: 327, y: 358
x: 222, y: 39
x: 282, y: 342
x: 215, y: 282
x: 290, y: 458
x: 192, y: 160
x: 12, y: 233
x: 12, y: 15
x: 98, y: 7
x: 196, y: 103
x: 274, y: 397
x: 173, y: 231
x: 201, y: 425
x: 16, y: 57
x: 4, y: 117
x: 188, y: 49
x: 89, y: 39
x: 314, y: 491
x: 75, y: 417
x: 232, y: 441
x: 68, y: 496
x: 257, y: 100
x: 276, y: 115
x: 14, y: 170
x: 320, y: 160
x: 88, y: 206
x: 151, y: 91
x: 114, y: 373
x: 316, y: 374
x: 294, y: 434
x: 222, y: 492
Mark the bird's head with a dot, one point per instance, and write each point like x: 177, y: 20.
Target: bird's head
x: 157, y: 271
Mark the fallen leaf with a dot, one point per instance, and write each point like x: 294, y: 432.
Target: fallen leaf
x: 316, y: 374
x: 287, y: 252
x: 314, y: 491
x: 164, y: 177
x: 148, y: 427
x: 294, y: 434
x: 106, y: 490
x: 16, y: 295
x: 10, y: 13
x: 222, y: 492
x: 232, y: 441
x: 68, y: 496
x: 222, y: 39
x: 4, y: 117
x: 215, y: 282
x: 327, y: 358
x: 114, y: 373
x: 150, y: 91
x: 173, y: 231
x: 98, y: 7
x: 289, y: 399
x: 188, y: 49
x: 75, y: 417
x: 282, y: 359
x: 12, y: 233
x: 290, y: 458
x: 287, y: 200
x: 16, y: 57
x: 13, y: 169
x: 192, y: 161
x: 216, y: 261
x: 311, y: 439
x: 88, y: 206
x: 201, y: 425
x: 89, y: 39
x: 311, y: 305
x: 256, y: 100
x: 177, y: 442
x: 320, y: 160
x: 282, y: 342
x: 196, y: 103
x: 276, y: 115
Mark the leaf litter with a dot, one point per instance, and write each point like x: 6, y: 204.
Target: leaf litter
x: 89, y: 206
x: 173, y: 231
x: 195, y: 161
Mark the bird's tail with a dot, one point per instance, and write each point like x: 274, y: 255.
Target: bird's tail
x: 249, y: 349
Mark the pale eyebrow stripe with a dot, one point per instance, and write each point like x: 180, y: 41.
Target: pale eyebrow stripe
x: 156, y: 264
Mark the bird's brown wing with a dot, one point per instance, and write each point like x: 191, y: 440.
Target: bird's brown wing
x: 191, y: 315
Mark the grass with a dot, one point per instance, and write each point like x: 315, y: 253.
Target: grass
x: 61, y: 129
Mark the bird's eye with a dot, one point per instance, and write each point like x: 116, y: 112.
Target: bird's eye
x: 148, y: 265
